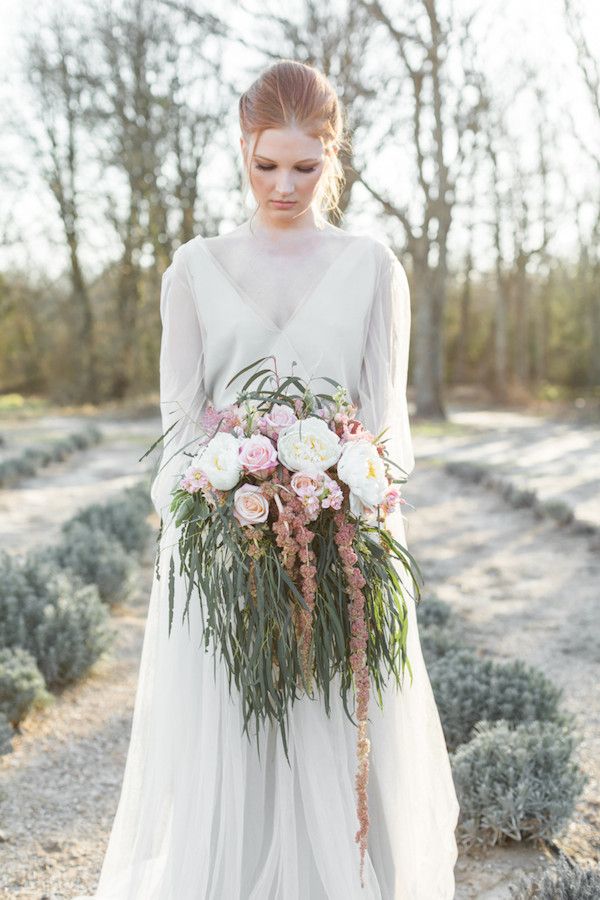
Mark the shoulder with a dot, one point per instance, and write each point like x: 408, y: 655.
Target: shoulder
x: 182, y: 252
x: 391, y: 284
x: 181, y: 257
x: 382, y: 251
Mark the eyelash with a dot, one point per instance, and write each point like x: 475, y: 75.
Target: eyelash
x: 268, y: 168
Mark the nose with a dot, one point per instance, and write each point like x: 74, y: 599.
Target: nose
x: 285, y: 184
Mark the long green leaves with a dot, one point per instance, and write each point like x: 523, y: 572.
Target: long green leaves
x: 247, y: 607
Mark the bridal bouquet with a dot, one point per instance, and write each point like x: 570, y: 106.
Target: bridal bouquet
x: 282, y: 506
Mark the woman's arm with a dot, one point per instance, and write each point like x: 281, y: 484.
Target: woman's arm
x: 181, y: 377
x: 384, y: 373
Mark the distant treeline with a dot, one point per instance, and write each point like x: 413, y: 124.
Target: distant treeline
x: 129, y: 110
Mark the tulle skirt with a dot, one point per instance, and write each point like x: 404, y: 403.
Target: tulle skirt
x: 202, y: 816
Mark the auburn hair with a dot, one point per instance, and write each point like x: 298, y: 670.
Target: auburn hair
x: 290, y: 93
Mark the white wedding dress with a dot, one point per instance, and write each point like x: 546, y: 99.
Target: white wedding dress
x: 201, y: 816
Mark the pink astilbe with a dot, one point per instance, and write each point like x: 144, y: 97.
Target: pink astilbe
x: 222, y: 419
x: 355, y: 581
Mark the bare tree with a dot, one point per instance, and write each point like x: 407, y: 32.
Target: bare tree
x: 520, y: 234
x: 589, y: 261
x: 443, y: 110
x: 55, y: 70
x: 153, y: 142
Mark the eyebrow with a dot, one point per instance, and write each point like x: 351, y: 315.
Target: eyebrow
x: 266, y: 159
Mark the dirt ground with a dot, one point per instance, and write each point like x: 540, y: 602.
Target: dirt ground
x: 522, y: 586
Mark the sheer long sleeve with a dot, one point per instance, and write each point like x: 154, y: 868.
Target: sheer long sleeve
x: 182, y: 395
x: 384, y: 374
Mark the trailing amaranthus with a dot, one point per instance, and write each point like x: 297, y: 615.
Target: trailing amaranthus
x: 355, y: 581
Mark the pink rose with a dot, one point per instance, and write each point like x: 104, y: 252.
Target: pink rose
x: 258, y: 455
x: 278, y: 418
x: 250, y: 506
x: 305, y: 484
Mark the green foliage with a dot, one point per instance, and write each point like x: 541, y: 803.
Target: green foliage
x: 62, y: 622
x: 515, y: 782
x: 469, y: 690
x: 565, y: 880
x: 96, y: 557
x: 21, y: 684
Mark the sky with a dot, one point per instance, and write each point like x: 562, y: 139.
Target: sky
x: 519, y: 29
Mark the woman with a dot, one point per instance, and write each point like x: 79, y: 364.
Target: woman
x: 201, y: 815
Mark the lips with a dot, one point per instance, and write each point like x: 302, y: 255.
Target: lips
x: 283, y: 202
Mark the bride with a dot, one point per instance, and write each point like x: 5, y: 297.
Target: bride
x: 201, y: 815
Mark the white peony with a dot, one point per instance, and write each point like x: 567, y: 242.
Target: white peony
x: 308, y: 445
x: 363, y: 470
x: 220, y: 461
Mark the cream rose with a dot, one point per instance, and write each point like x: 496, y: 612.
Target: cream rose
x: 362, y: 469
x: 220, y: 461
x: 308, y: 445
x: 250, y: 506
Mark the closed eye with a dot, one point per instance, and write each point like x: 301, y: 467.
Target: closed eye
x: 268, y: 168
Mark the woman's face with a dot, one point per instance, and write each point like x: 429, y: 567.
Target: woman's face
x: 286, y: 166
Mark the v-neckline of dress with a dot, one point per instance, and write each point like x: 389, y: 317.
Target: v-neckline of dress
x: 254, y: 307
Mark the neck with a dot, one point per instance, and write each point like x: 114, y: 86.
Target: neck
x: 276, y: 226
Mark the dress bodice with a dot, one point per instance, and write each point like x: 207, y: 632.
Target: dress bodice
x: 322, y: 335
x: 339, y: 309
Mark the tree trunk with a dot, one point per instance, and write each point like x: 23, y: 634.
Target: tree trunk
x: 428, y: 303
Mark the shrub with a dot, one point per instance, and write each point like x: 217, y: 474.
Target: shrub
x: 96, y: 558
x: 469, y: 690
x: 433, y: 611
x: 515, y: 782
x: 139, y: 495
x: 6, y: 735
x: 469, y: 469
x: 87, y: 436
x: 34, y: 458
x: 121, y: 519
x: 62, y: 622
x: 21, y: 684
x: 437, y: 641
x: 563, y: 881
x: 558, y: 510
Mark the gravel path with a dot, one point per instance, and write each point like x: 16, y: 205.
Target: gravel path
x: 559, y: 461
x: 524, y: 587
x: 34, y: 509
